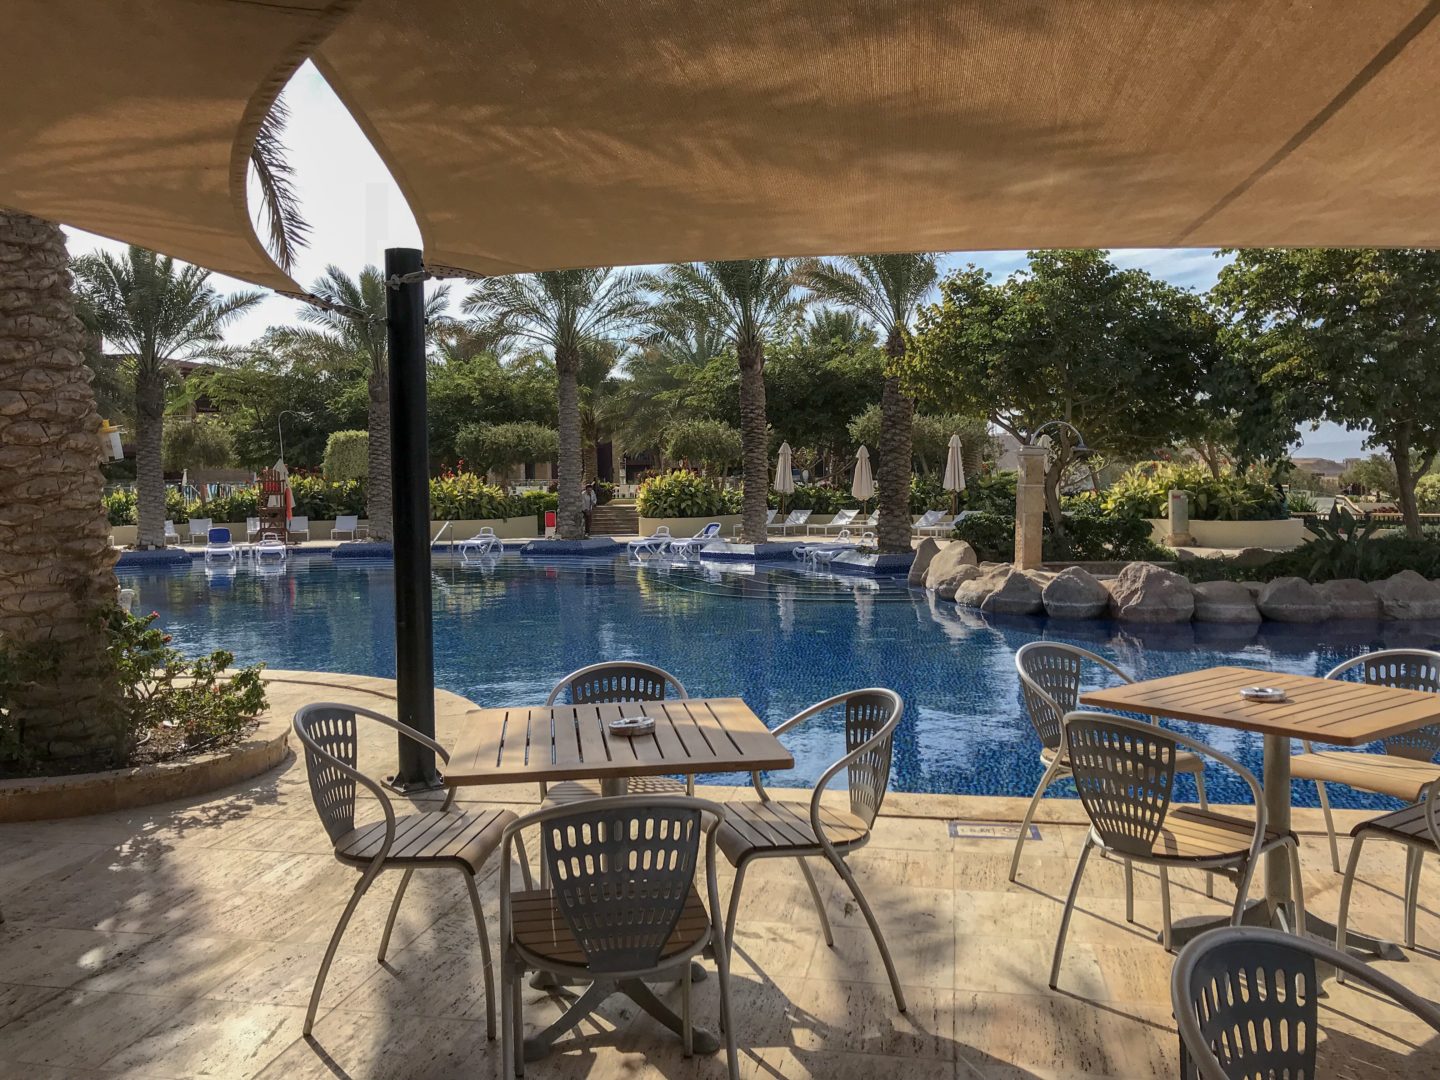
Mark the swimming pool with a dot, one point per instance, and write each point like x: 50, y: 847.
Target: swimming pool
x: 508, y: 630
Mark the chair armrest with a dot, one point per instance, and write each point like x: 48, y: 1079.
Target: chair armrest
x: 364, y: 781
x: 887, y: 731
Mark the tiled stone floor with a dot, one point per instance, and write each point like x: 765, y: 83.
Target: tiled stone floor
x: 181, y: 941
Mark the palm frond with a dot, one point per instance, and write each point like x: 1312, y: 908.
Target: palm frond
x: 279, y: 205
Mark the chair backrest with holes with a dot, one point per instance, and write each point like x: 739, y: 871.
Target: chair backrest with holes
x: 1403, y: 669
x: 1055, y: 669
x: 1256, y: 1003
x: 333, y: 730
x: 1125, y: 773
x: 609, y: 683
x: 866, y: 714
x: 622, y: 876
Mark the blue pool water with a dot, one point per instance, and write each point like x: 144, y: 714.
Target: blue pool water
x: 782, y: 640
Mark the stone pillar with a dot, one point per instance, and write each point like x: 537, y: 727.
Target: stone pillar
x: 1030, y: 507
x: 1179, y: 535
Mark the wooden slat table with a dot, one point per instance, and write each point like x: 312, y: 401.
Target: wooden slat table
x: 573, y: 742
x: 1320, y: 710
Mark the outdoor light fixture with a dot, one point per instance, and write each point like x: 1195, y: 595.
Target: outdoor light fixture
x: 110, y: 447
x: 1079, y: 451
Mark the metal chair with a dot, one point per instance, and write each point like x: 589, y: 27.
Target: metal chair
x: 1125, y: 772
x: 1246, y: 1002
x: 1415, y: 827
x: 1050, y: 677
x: 772, y: 829
x: 610, y: 683
x: 442, y: 839
x: 1409, y: 762
x: 623, y: 908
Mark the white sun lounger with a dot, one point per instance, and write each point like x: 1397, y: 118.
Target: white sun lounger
x: 657, y: 543
x: 927, y: 519
x: 796, y: 520
x: 693, y: 546
x: 218, y: 546
x: 483, y: 543
x: 270, y: 548
x: 839, y: 523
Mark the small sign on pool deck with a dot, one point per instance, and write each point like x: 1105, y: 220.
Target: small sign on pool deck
x: 989, y: 830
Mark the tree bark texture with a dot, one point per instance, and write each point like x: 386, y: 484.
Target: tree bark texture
x: 377, y: 458
x: 569, y: 520
x: 755, y: 443
x: 1405, y: 480
x: 149, y: 460
x: 897, y: 433
x: 56, y: 562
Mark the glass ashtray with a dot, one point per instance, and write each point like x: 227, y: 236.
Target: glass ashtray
x: 632, y: 725
x: 1263, y: 693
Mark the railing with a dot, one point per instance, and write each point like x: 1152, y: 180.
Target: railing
x: 440, y: 532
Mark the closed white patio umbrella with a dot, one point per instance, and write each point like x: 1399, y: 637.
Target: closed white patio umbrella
x: 863, y: 486
x: 784, y: 477
x: 954, y: 472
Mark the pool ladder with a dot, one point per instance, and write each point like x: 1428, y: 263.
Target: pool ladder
x: 441, y: 533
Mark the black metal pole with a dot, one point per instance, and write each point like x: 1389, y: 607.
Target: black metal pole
x: 410, y: 501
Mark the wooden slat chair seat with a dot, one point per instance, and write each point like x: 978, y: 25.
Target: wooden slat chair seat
x: 443, y: 839
x: 771, y: 828
x: 1414, y: 826
x: 755, y: 830
x: 623, y: 908
x: 468, y: 840
x: 1408, y: 764
x: 1125, y: 774
x: 540, y: 928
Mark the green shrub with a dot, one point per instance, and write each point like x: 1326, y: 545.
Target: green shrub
x: 1300, y: 502
x: 927, y: 493
x: 1427, y: 493
x: 120, y: 506
x: 992, y: 535
x: 461, y: 496
x: 320, y: 500
x: 685, y: 494
x: 1091, y: 535
x: 347, y: 455
x: 1144, y: 492
x: 992, y: 493
x: 237, y: 506
x: 817, y: 498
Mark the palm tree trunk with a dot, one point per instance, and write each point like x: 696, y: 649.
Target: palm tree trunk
x: 590, y: 434
x: 149, y: 463
x: 897, y: 431
x: 56, y: 575
x: 377, y: 458
x: 755, y: 442
x: 569, y: 520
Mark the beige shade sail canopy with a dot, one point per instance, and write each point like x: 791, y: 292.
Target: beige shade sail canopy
x: 134, y: 118
x: 528, y: 134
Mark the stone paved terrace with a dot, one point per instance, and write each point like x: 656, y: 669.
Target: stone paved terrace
x: 181, y: 941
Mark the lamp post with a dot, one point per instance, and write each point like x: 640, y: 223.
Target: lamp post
x: 280, y: 428
x: 1030, y: 492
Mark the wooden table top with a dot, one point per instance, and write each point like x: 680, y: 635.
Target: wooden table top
x: 1323, y: 710
x: 574, y: 742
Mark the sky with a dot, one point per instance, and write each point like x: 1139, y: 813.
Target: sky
x: 356, y: 211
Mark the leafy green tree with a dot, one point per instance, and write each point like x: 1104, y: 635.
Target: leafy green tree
x: 561, y: 311
x: 814, y: 384
x: 1118, y: 353
x: 931, y: 443
x: 495, y: 448
x: 887, y: 289
x: 752, y: 301
x: 347, y: 455
x: 198, y: 443
x: 483, y: 388
x: 710, y: 444
x: 1346, y: 335
x: 351, y: 336
x: 153, y: 311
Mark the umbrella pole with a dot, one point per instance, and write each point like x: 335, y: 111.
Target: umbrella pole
x: 410, y: 534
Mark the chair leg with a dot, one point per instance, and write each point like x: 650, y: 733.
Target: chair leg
x: 517, y: 1006
x: 734, y: 909
x: 1045, y: 782
x: 819, y: 901
x: 1329, y: 825
x: 1069, y: 909
x: 1345, y: 888
x: 484, y: 956
x: 879, y: 935
x: 722, y: 972
x: 361, y: 887
x: 1412, y: 893
x: 508, y: 1035
x: 1205, y: 805
x: 394, y: 910
x: 1129, y: 891
x: 524, y: 857
x: 1297, y: 886
x: 1167, y: 930
x: 687, y: 1037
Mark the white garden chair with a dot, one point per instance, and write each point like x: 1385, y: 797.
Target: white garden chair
x: 200, y: 530
x: 345, y: 523
x: 299, y: 527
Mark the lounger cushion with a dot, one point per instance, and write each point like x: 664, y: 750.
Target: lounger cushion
x: 464, y: 839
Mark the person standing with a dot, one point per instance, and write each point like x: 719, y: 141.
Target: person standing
x: 587, y: 504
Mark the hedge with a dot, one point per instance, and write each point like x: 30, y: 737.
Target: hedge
x: 1144, y: 492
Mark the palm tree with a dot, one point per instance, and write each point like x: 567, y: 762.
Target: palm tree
x: 598, y: 389
x: 55, y: 558
x: 563, y: 311
x: 154, y: 312
x: 749, y: 299
x: 354, y: 339
x: 887, y: 289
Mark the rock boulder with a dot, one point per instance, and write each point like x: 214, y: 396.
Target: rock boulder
x: 1408, y: 595
x: 1224, y: 602
x: 1018, y: 594
x: 1075, y: 594
x: 952, y: 564
x: 1292, y: 600
x: 1146, y: 593
x: 924, y: 555
x: 1350, y: 598
x: 981, y: 582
